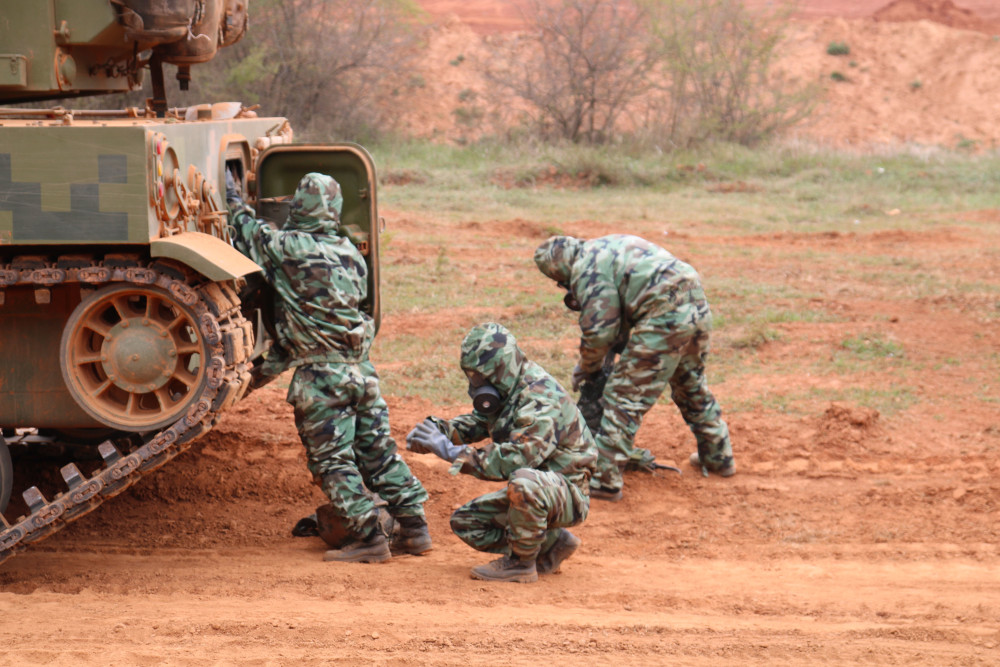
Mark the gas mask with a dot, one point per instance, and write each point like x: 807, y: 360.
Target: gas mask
x: 569, y: 300
x: 485, y: 397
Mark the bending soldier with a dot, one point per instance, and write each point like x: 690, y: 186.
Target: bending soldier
x: 320, y: 280
x: 540, y: 446
x: 632, y: 292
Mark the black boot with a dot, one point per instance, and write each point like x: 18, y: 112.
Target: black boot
x: 508, y: 568
x: 412, y: 537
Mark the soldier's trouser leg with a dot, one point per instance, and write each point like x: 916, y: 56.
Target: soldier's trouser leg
x: 641, y: 375
x: 384, y: 471
x: 525, y: 518
x: 325, y: 398
x: 698, y: 406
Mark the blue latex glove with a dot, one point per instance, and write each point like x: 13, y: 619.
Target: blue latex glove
x: 426, y: 438
x: 232, y: 193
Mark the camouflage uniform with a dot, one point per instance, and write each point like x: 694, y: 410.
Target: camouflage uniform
x: 321, y: 279
x: 635, y: 290
x: 541, y: 447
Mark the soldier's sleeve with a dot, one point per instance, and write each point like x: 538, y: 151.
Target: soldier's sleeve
x: 255, y: 239
x: 463, y: 429
x: 600, y: 316
x: 532, y: 440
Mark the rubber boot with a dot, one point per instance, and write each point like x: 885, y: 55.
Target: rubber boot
x: 374, y: 549
x: 306, y: 527
x: 563, y: 548
x: 727, y: 471
x: 507, y: 568
x: 412, y: 537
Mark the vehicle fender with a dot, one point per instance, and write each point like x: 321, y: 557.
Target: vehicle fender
x: 210, y: 256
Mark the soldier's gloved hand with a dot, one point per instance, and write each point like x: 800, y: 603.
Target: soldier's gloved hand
x: 232, y: 193
x: 426, y: 438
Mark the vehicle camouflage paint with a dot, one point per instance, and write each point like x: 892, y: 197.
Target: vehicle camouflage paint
x: 128, y: 322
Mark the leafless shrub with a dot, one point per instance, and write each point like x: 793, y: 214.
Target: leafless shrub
x: 716, y: 74
x: 577, y: 68
x: 329, y: 66
x: 675, y: 72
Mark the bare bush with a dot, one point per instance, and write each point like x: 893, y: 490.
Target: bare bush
x: 717, y: 76
x: 577, y: 68
x: 677, y: 72
x: 329, y: 66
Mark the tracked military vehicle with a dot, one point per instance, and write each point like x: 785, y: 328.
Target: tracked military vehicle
x: 128, y: 322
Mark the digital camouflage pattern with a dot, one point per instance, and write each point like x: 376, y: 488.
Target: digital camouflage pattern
x: 628, y: 287
x: 540, y: 446
x: 320, y: 282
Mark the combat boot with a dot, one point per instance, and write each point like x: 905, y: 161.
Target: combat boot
x: 508, y: 568
x: 725, y: 471
x: 563, y: 548
x: 412, y: 537
x: 374, y: 549
x: 605, y: 493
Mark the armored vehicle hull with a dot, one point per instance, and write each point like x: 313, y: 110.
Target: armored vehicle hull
x: 128, y: 322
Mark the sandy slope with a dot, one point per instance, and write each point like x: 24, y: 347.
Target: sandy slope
x: 920, y: 74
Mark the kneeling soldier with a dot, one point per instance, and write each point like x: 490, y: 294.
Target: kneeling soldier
x: 540, y: 446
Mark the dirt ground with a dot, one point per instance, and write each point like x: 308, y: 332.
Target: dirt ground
x: 849, y: 536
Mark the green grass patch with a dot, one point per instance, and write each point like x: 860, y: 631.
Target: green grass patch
x: 872, y: 346
x: 790, y: 187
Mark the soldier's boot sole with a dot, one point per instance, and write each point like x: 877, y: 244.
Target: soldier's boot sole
x: 371, y: 551
x: 728, y: 471
x: 603, y: 493
x: 564, y: 547
x: 489, y: 572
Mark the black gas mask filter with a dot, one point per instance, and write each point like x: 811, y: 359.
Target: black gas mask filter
x: 485, y: 397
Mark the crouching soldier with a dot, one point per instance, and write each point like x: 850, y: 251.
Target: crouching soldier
x: 540, y: 446
x: 637, y: 298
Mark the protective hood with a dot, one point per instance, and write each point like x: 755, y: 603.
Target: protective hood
x: 555, y: 257
x: 492, y: 350
x: 316, y: 205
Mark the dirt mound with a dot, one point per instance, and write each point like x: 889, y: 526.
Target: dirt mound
x: 939, y: 11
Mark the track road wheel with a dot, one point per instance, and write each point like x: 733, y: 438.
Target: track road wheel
x: 6, y: 475
x: 133, y: 357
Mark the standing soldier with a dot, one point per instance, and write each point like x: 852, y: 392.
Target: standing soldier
x: 637, y: 298
x: 320, y: 280
x: 540, y: 447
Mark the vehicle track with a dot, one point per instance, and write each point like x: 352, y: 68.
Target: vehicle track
x: 229, y: 337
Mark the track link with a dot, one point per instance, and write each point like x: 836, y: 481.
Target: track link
x: 221, y: 324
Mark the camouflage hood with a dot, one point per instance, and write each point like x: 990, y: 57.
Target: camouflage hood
x: 555, y: 257
x: 316, y: 205
x: 492, y: 350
